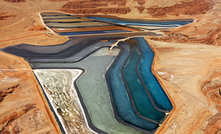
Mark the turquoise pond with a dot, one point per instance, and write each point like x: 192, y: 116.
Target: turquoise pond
x: 120, y: 97
x: 139, y: 96
x: 152, y: 85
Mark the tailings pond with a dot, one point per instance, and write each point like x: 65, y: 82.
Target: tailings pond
x: 118, y: 92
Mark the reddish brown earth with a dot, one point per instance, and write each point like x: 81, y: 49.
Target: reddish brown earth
x: 111, y: 2
x: 84, y: 4
x: 27, y: 111
x: 212, y: 37
x: 57, y: 0
x: 38, y: 28
x: 206, y: 29
x: 96, y: 6
x: 4, y: 16
x: 140, y: 9
x: 140, y: 2
x: 186, y: 8
x: 7, y: 91
x: 211, y: 88
x: 19, y: 28
x: 23, y: 107
x: 123, y: 10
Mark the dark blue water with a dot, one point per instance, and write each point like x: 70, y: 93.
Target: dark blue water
x: 144, y: 68
x: 140, y: 97
x: 93, y: 32
x: 121, y: 99
x: 142, y: 23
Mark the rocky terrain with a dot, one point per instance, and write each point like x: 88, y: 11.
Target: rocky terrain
x: 195, y: 7
x: 191, y: 75
x: 22, y: 104
x: 206, y: 29
x: 187, y: 64
x: 97, y: 6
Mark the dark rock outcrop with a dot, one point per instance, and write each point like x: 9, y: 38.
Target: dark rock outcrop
x: 15, y: 1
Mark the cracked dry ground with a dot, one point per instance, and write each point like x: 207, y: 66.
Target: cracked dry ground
x: 23, y: 109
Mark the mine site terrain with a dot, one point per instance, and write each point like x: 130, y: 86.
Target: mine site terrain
x: 186, y: 63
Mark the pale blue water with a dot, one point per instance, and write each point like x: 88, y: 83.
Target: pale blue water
x: 144, y: 68
x: 121, y: 99
x: 140, y: 97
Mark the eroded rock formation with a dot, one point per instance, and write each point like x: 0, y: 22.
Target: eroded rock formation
x: 140, y: 9
x: 4, y: 16
x: 140, y: 2
x: 7, y: 91
x: 124, y: 10
x: 96, y: 6
x: 187, y: 8
x: 37, y: 28
x: 206, y: 29
x: 57, y: 0
x: 19, y: 112
x: 212, y: 90
x: 23, y: 109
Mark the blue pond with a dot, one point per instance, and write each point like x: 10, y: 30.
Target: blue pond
x: 93, y: 32
x: 143, y: 23
x: 122, y: 103
x: 152, y: 85
x: 139, y: 95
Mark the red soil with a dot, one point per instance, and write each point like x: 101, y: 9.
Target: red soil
x: 140, y: 9
x: 57, y: 0
x: 111, y: 2
x: 123, y: 10
x: 83, y: 4
x: 37, y: 28
x: 187, y: 8
x: 140, y: 2
x: 4, y: 16
x: 96, y: 6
